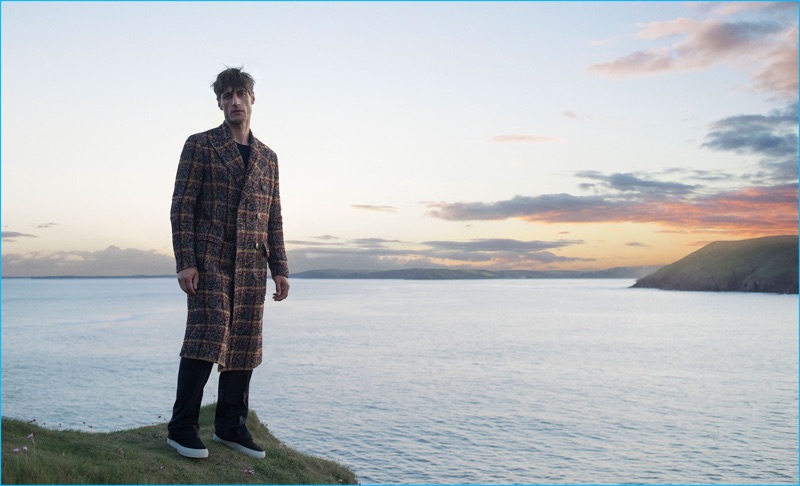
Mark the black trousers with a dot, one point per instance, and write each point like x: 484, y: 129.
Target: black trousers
x: 232, y: 402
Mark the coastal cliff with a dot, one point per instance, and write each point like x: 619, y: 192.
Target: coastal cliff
x: 37, y: 455
x: 767, y: 264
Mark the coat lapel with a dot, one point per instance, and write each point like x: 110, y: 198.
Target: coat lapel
x: 257, y: 168
x: 222, y: 141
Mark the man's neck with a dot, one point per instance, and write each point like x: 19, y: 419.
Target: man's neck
x: 241, y: 132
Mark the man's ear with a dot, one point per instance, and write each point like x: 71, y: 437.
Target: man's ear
x: 219, y: 103
x: 252, y: 98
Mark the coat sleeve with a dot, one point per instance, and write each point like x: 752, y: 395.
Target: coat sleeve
x: 278, y: 264
x: 188, y: 182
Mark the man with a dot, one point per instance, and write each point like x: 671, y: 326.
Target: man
x: 227, y: 231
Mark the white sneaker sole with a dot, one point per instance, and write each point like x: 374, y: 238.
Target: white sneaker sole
x: 187, y: 452
x: 241, y: 448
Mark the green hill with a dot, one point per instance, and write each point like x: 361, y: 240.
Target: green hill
x: 142, y: 456
x: 767, y: 264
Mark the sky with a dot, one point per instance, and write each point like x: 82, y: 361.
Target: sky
x: 518, y: 135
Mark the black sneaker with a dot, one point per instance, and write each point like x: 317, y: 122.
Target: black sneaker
x: 193, y: 448
x: 247, y: 447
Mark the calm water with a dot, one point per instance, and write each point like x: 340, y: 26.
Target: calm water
x: 494, y: 381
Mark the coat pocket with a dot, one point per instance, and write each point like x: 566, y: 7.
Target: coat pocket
x: 208, y: 248
x: 213, y: 233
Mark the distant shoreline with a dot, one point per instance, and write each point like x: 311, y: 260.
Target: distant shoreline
x: 414, y: 274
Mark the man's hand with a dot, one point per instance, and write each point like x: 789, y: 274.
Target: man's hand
x: 188, y: 279
x: 281, y: 288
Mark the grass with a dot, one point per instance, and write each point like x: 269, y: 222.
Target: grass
x: 142, y: 456
x: 766, y: 264
x: 766, y: 256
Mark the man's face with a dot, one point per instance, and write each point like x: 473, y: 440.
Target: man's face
x: 237, y: 105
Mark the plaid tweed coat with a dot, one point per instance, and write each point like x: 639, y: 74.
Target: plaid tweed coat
x: 227, y: 222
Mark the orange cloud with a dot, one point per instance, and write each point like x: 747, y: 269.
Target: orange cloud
x: 757, y: 210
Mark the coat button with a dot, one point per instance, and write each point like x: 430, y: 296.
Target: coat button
x: 256, y: 246
x: 264, y: 187
x: 258, y: 216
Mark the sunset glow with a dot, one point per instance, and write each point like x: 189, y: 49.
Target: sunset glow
x: 498, y: 135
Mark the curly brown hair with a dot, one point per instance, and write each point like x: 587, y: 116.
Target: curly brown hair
x: 233, y: 78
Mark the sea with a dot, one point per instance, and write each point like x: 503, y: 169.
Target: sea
x: 528, y: 381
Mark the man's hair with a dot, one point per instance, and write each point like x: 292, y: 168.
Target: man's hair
x: 234, y: 78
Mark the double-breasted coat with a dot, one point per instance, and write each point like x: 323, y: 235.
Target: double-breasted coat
x: 226, y: 221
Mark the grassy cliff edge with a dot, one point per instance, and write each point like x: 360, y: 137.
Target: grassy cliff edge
x: 142, y: 456
x: 766, y: 264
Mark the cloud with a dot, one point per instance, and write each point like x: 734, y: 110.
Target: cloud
x: 112, y: 261
x: 632, y: 183
x: 732, y: 8
x: 761, y: 201
x: 354, y: 258
x: 764, y: 43
x: 778, y: 73
x: 756, y: 210
x: 306, y: 243
x: 326, y: 240
x: 556, y: 207
x: 777, y: 170
x: 356, y: 254
x: 707, y: 175
x: 372, y: 242
x: 701, y: 45
x: 498, y: 244
x: 522, y: 139
x: 11, y: 236
x: 508, y: 253
x: 377, y: 253
x: 637, y: 244
x: 773, y: 136
x: 369, y: 207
